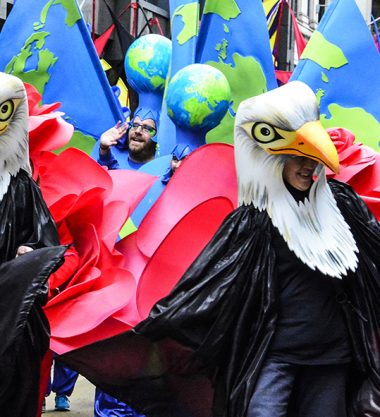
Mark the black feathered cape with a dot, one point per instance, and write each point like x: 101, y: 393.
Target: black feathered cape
x: 24, y: 330
x: 199, y: 352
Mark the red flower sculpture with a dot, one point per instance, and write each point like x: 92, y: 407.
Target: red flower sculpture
x: 359, y: 167
x: 89, y: 205
x: 182, y: 221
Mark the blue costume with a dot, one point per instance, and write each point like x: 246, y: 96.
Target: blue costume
x: 179, y: 153
x: 63, y: 384
x: 118, y: 156
x: 107, y: 406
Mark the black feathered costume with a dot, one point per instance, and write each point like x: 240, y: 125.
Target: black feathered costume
x: 25, y: 220
x: 200, y: 351
x: 196, y: 344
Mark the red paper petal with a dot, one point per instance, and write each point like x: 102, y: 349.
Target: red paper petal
x: 207, y: 173
x: 178, y: 251
x: 91, y: 304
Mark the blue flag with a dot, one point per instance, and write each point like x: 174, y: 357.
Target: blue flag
x: 341, y: 64
x: 184, y: 19
x: 47, y: 43
x: 234, y: 38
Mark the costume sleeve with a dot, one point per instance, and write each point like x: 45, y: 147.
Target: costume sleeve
x: 349, y: 200
x: 108, y: 160
x: 24, y: 329
x: 363, y: 290
x: 60, y: 279
x: 210, y: 289
x: 36, y: 229
x: 25, y: 219
x: 18, y: 276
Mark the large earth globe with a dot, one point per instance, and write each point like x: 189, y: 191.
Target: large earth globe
x: 147, y: 62
x: 198, y: 97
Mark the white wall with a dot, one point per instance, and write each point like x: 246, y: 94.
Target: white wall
x: 365, y: 6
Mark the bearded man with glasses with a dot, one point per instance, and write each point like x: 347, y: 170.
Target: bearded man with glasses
x: 129, y: 145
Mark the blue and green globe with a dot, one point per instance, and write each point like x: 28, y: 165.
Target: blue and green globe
x: 147, y: 62
x: 198, y: 97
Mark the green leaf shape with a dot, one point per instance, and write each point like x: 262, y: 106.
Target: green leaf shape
x: 127, y: 229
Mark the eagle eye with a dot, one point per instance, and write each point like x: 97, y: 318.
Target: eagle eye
x: 264, y: 133
x: 6, y: 110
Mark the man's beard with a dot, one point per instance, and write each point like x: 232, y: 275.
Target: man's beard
x: 144, y: 154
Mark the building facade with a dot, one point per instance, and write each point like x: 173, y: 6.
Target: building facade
x: 139, y: 12
x: 139, y: 17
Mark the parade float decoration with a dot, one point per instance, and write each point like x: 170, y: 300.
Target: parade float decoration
x: 233, y: 37
x: 197, y: 99
x: 91, y: 205
x: 343, y: 72
x: 146, y: 65
x: 48, y: 44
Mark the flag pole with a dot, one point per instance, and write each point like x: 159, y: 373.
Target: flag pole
x: 93, y: 19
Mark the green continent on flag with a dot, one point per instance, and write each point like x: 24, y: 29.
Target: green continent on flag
x: 246, y: 68
x: 45, y: 61
x: 362, y: 124
x: 332, y: 56
x: 189, y: 13
x: 73, y: 14
x: 227, y: 9
x: 222, y: 49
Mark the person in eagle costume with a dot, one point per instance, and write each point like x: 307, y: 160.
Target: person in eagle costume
x: 29, y: 253
x: 279, y: 314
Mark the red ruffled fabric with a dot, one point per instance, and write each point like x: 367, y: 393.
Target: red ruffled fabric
x: 359, y: 167
x: 89, y: 205
x: 114, y: 286
x: 195, y: 202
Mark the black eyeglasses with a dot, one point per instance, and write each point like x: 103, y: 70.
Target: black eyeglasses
x: 145, y: 128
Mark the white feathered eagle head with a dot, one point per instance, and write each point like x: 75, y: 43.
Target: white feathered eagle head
x: 268, y: 129
x: 14, y: 148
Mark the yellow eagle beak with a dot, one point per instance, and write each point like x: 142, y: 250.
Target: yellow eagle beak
x: 312, y: 141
